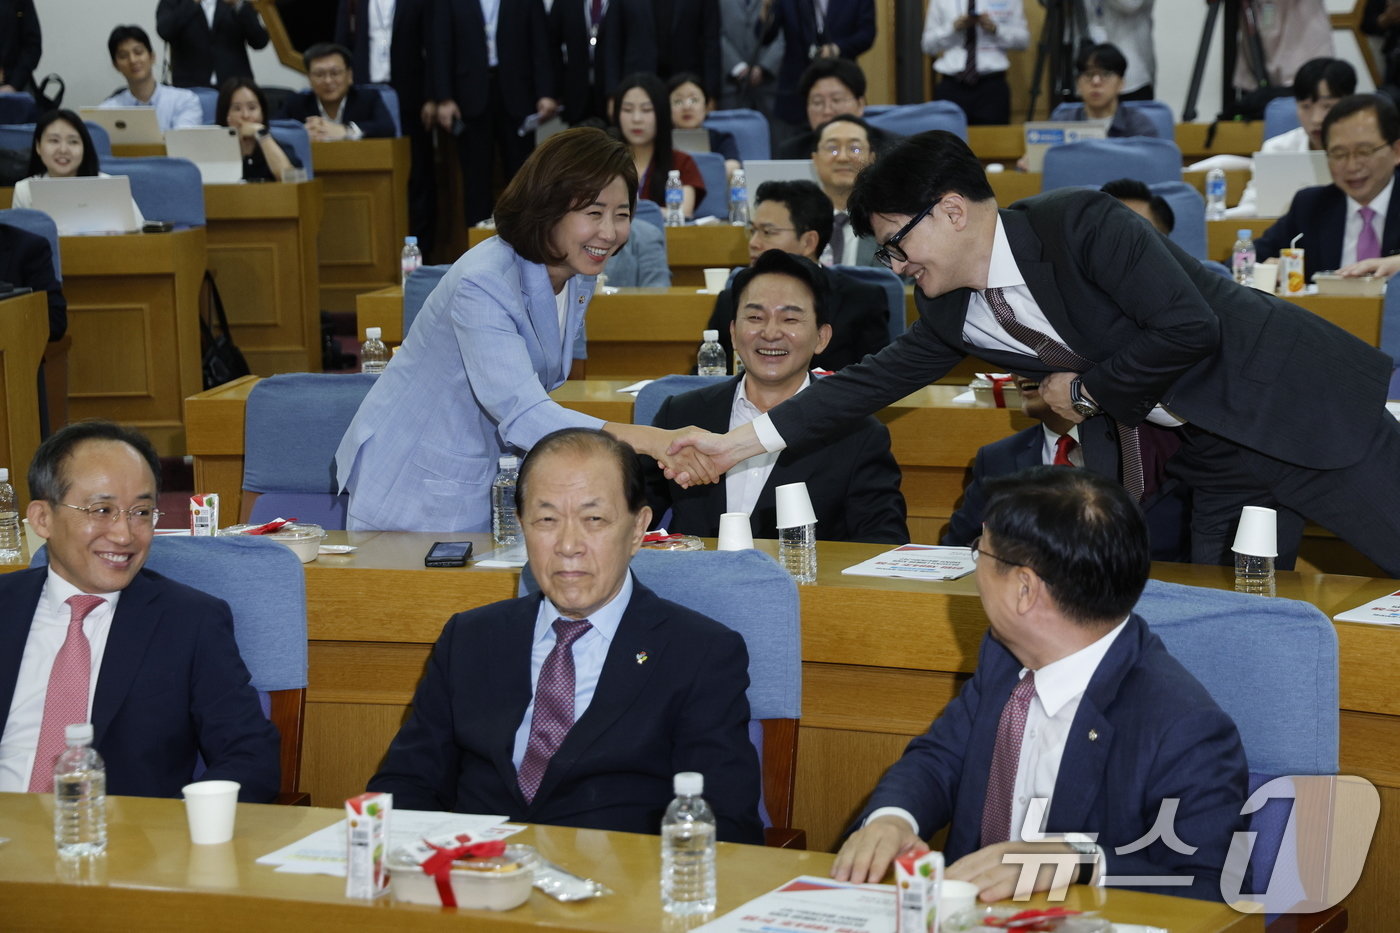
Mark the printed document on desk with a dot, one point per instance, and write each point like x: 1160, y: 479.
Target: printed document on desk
x: 812, y: 903
x: 323, y: 852
x: 1383, y: 611
x: 917, y: 562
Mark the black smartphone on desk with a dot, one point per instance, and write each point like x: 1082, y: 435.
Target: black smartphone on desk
x: 448, y: 554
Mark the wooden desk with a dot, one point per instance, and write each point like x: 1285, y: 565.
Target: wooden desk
x: 366, y: 217
x: 690, y: 250
x: 1234, y: 138
x: 641, y: 332
x: 1220, y: 234
x: 152, y: 878
x: 133, y: 311
x: 1235, y: 181
x: 262, y: 251
x: 1011, y: 186
x: 24, y: 332
x: 1355, y: 314
x: 1005, y: 143
x: 382, y: 308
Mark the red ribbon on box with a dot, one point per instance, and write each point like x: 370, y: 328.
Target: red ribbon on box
x: 439, y: 864
x: 651, y: 537
x: 998, y: 384
x: 1023, y: 920
x: 275, y: 525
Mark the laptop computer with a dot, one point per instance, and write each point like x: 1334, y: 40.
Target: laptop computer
x: 213, y: 149
x: 757, y: 171
x: 1042, y: 134
x: 86, y: 205
x: 691, y: 140
x: 127, y: 126
x: 1279, y: 175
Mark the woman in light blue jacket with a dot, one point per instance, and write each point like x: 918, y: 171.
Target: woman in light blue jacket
x: 472, y: 379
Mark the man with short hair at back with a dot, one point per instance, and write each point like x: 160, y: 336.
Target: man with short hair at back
x: 828, y: 88
x: 1077, y: 722
x: 796, y: 217
x: 95, y: 637
x: 334, y: 108
x: 130, y: 49
x: 780, y: 321
x: 577, y: 705
x: 1139, y: 199
x: 841, y: 150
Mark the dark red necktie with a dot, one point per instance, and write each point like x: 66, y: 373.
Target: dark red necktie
x: 554, y: 705
x: 1063, y: 447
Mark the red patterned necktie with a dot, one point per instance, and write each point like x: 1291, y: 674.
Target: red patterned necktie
x: 66, y: 700
x: 1006, y: 759
x: 1060, y: 357
x: 1367, y: 246
x: 554, y: 705
x: 1063, y: 447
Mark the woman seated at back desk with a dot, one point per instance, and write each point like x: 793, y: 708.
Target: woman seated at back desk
x: 62, y: 148
x: 243, y: 106
x: 689, y: 107
x: 641, y: 112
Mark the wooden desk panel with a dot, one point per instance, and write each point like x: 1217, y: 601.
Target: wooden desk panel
x: 133, y: 311
x: 997, y: 143
x: 382, y: 308
x: 263, y: 253
x: 1220, y: 234
x: 1235, y: 181
x: 365, y: 217
x: 1011, y: 185
x: 24, y: 332
x: 1232, y: 138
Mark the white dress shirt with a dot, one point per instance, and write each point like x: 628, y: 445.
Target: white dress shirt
x: 47, y: 633
x: 589, y: 651
x: 942, y: 40
x: 175, y: 106
x: 1128, y: 25
x: 849, y: 243
x: 381, y: 37
x: 1353, y: 228
x: 209, y: 6
x: 746, y: 479
x: 352, y: 131
x: 490, y: 15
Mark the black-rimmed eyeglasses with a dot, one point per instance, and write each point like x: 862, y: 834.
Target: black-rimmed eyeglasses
x: 890, y: 253
x: 976, y: 548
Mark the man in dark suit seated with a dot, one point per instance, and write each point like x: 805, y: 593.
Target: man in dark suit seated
x: 1356, y: 217
x: 577, y: 706
x: 1077, y: 723
x: 794, y: 216
x: 94, y: 637
x: 27, y: 259
x: 1057, y: 442
x: 781, y: 321
x: 334, y: 108
x: 842, y: 148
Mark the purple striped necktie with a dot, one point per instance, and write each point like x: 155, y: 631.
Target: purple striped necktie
x: 553, y: 715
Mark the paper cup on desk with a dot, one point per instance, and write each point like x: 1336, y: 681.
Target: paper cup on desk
x: 210, y: 807
x: 955, y: 896
x: 794, y: 506
x: 1266, y: 277
x: 1257, y: 534
x: 735, y: 532
x: 715, y: 280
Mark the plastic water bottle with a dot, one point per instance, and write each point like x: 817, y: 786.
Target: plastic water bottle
x: 738, y: 199
x: 1242, y: 257
x: 11, y: 538
x: 505, y: 524
x: 688, y: 850
x: 1215, y: 194
x: 1255, y: 574
x: 374, y: 355
x: 79, y: 795
x: 710, y: 360
x: 797, y: 552
x: 675, y: 195
x: 411, y: 258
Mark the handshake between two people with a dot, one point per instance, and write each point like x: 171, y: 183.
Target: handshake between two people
x: 696, y: 457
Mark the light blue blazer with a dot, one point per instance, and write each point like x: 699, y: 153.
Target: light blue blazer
x: 470, y: 383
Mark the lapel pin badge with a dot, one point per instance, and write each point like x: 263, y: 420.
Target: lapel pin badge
x: 641, y: 657
x: 1093, y: 735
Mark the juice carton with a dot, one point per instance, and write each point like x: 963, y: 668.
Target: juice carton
x: 366, y: 838
x: 918, y: 880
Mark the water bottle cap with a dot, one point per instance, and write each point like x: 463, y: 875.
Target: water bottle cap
x: 79, y: 733
x: 372, y: 333
x: 410, y: 241
x: 508, y: 462
x: 1244, y: 234
x: 689, y: 784
x: 673, y: 175
x: 4, y: 474
x: 710, y: 335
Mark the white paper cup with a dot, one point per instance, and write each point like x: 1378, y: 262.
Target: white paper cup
x: 1257, y: 534
x: 956, y: 896
x: 716, y: 279
x: 794, y: 506
x: 1266, y: 277
x: 210, y: 806
x: 735, y: 532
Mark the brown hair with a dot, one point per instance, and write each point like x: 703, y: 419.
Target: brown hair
x: 563, y: 174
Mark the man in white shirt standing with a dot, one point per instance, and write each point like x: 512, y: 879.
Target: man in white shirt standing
x: 970, y: 39
x: 1077, y: 724
x: 130, y: 48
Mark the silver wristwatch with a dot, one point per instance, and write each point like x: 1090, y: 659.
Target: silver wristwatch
x: 1081, y: 402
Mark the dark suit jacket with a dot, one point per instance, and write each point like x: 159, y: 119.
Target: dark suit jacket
x: 683, y: 710
x: 626, y: 44
x: 1167, y: 508
x: 363, y: 108
x: 195, y: 48
x: 1157, y: 734
x: 1157, y: 327
x: 849, y: 23
x: 413, y: 36
x: 687, y: 35
x: 27, y: 259
x: 172, y: 686
x: 853, y: 481
x: 21, y: 42
x: 527, y: 67
x: 1320, y: 214
x: 859, y: 314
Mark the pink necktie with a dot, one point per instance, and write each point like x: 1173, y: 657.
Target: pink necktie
x: 66, y: 701
x: 1063, y: 446
x: 554, y: 705
x: 1367, y: 246
x: 1006, y: 759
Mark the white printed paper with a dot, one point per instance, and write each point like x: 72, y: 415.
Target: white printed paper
x: 810, y: 903
x: 917, y: 562
x: 1383, y: 611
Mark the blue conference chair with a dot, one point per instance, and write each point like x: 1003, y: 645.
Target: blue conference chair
x: 293, y: 425
x: 749, y: 129
x: 36, y: 222
x: 651, y: 396
x: 1095, y: 161
x: 20, y: 137
x: 908, y: 119
x: 1390, y: 322
x: 650, y: 212
x: 1280, y: 116
x: 416, y: 290
x: 292, y: 135
x: 17, y: 107
x: 101, y: 139
x: 751, y: 594
x: 716, y: 201
x: 891, y: 283
x: 1189, y: 209
x: 1156, y: 111
x: 391, y: 102
x: 265, y: 587
x: 208, y: 102
x: 164, y: 188
x: 1216, y: 266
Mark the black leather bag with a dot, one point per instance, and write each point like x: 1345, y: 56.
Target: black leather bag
x: 221, y: 358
